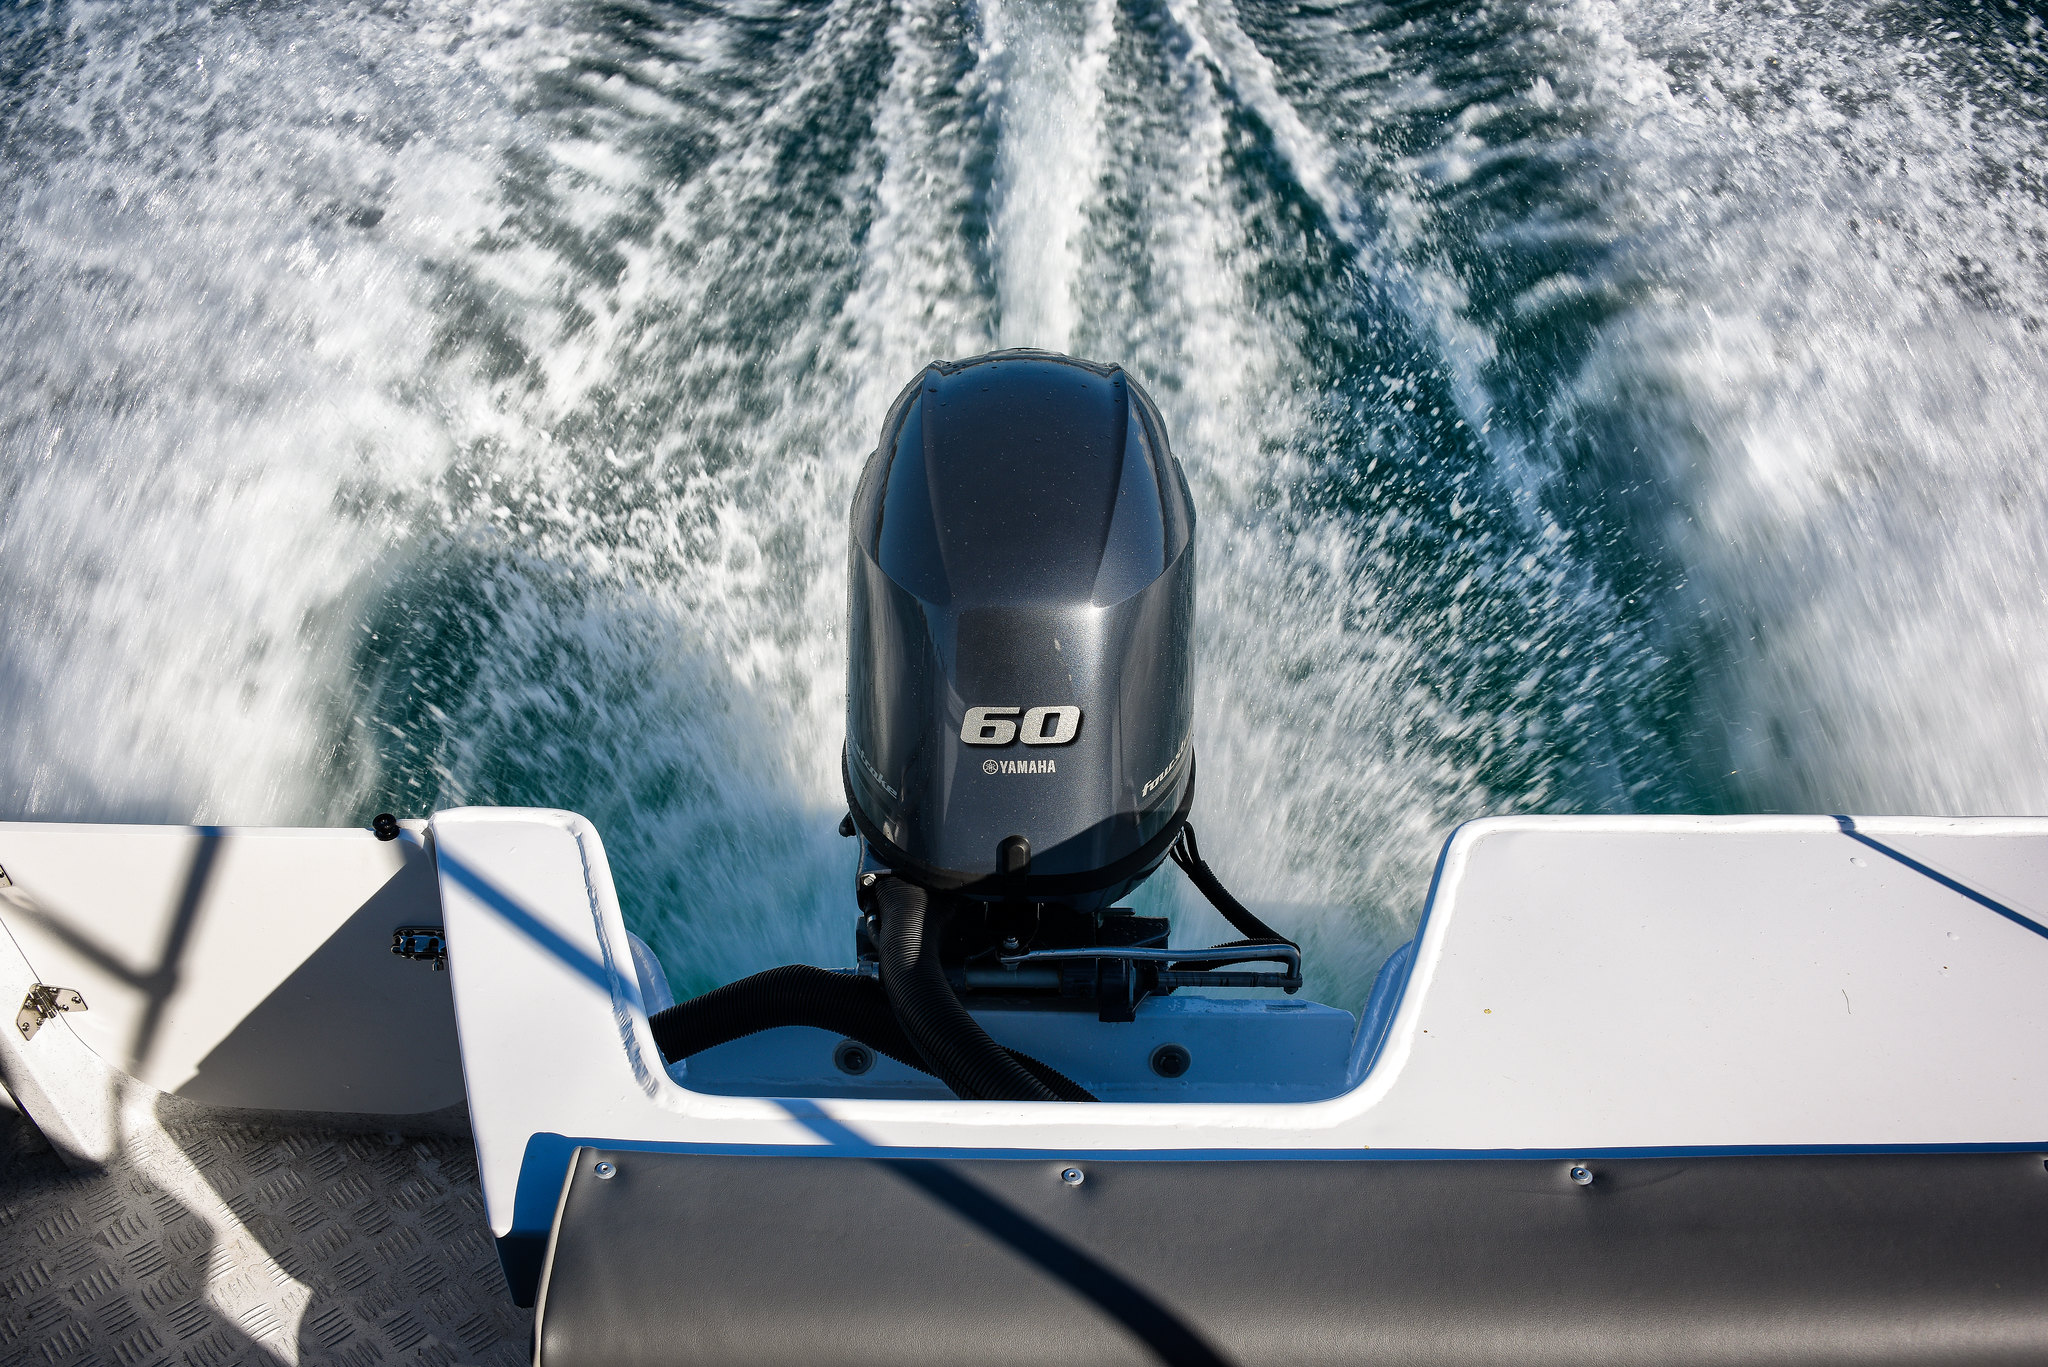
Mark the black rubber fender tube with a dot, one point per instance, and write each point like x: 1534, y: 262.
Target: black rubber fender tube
x: 798, y: 994
x: 952, y: 1042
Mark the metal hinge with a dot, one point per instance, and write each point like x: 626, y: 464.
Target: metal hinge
x: 423, y: 944
x: 43, y: 1003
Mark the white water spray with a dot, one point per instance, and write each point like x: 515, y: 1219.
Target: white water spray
x: 432, y: 405
x: 1045, y: 72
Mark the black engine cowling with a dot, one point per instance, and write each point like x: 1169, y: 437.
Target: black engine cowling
x: 1019, y: 690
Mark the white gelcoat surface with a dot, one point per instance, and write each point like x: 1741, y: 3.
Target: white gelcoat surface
x: 237, y: 966
x: 1634, y: 982
x: 1582, y: 984
x: 53, y: 1079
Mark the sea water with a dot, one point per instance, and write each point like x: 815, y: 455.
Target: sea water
x: 1589, y: 406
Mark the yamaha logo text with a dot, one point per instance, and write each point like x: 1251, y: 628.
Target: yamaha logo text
x: 1019, y: 766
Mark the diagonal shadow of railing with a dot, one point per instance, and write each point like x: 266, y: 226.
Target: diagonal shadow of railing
x: 158, y: 983
x: 1848, y: 825
x: 162, y: 985
x: 508, y: 908
x: 1169, y: 1338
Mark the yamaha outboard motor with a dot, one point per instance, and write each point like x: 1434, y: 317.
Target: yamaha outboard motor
x: 1019, y: 709
x: 1019, y: 693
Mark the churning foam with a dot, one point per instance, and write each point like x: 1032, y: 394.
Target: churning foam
x: 213, y: 325
x: 1045, y: 66
x: 462, y: 406
x: 1834, y: 367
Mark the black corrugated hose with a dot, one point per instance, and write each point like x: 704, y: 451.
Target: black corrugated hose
x: 952, y: 1042
x: 912, y: 1015
x: 798, y: 994
x: 795, y: 994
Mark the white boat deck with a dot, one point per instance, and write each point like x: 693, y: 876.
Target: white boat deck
x: 254, y: 1146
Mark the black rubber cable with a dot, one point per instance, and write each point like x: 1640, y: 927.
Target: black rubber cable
x: 1205, y: 965
x: 798, y: 994
x: 1188, y: 855
x: 952, y: 1042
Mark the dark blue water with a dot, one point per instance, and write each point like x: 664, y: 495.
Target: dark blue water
x: 1590, y: 407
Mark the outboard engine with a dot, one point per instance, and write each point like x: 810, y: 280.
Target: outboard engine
x: 1022, y: 593
x: 1019, y: 709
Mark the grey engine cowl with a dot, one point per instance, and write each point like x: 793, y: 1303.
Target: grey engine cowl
x: 1021, y: 606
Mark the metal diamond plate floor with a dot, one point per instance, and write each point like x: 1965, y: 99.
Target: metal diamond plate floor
x: 210, y: 1244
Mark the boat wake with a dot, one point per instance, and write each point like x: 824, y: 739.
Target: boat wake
x: 1590, y: 406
